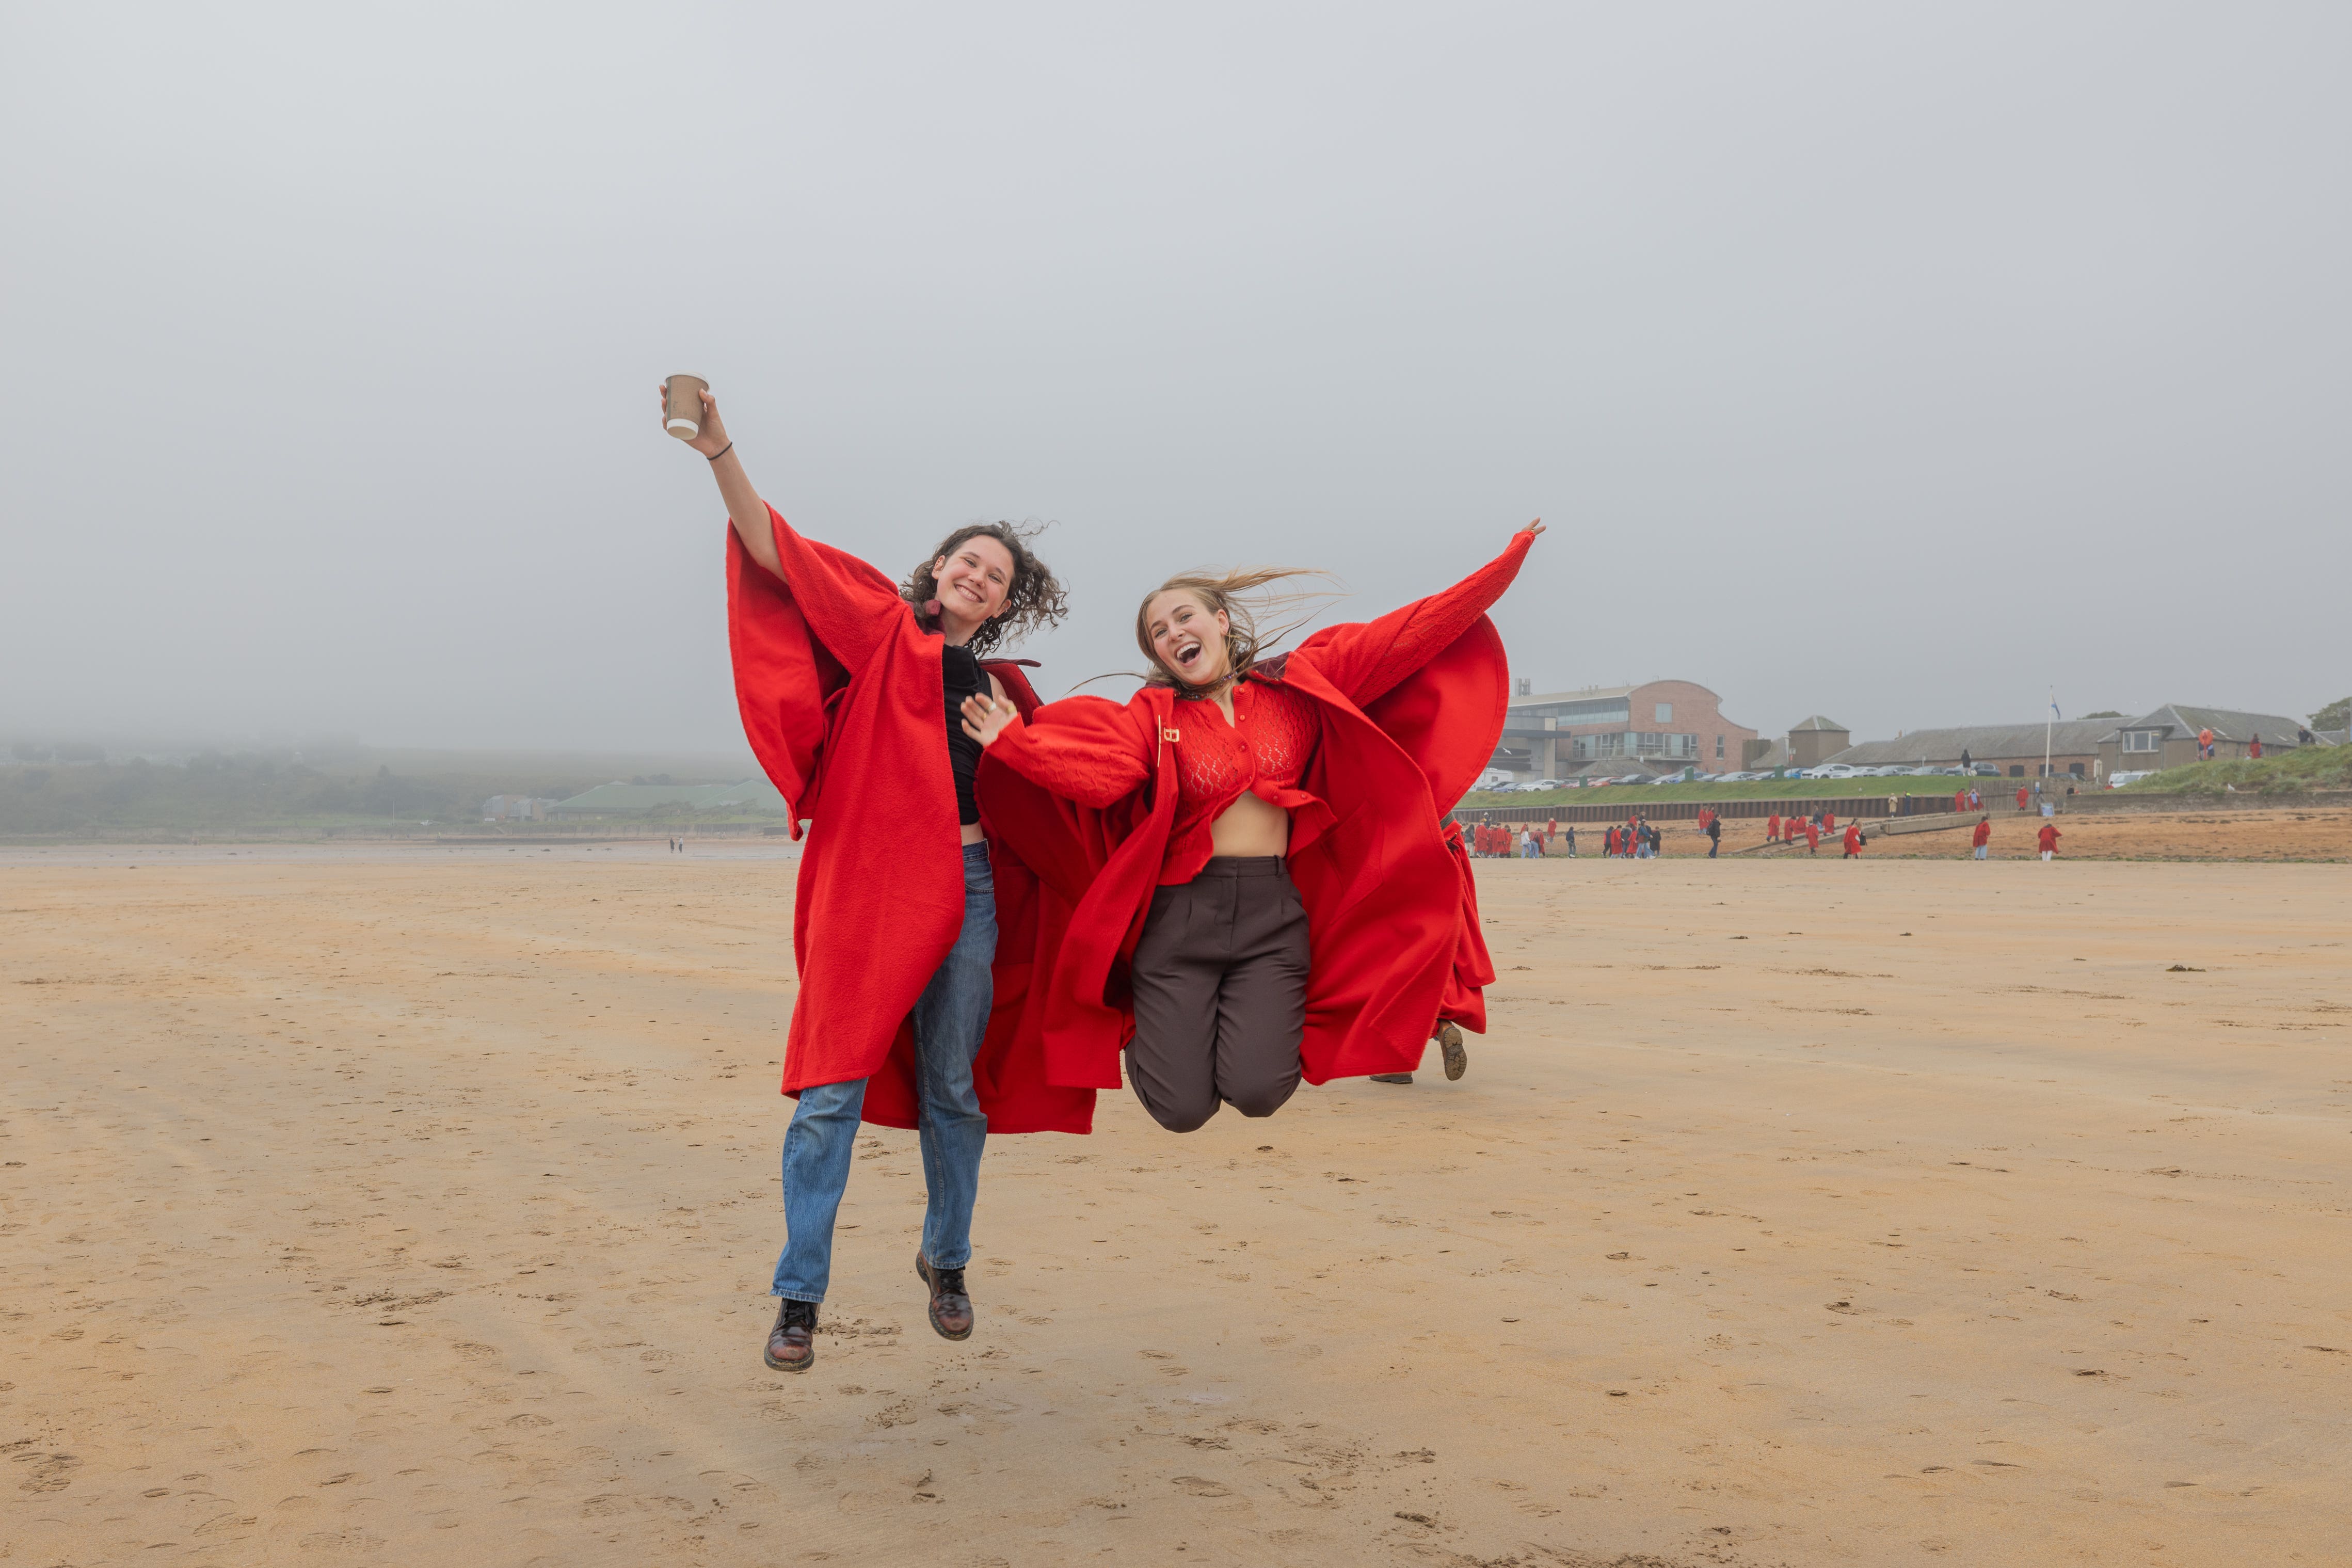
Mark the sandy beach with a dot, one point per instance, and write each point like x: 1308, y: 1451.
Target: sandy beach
x: 418, y: 1207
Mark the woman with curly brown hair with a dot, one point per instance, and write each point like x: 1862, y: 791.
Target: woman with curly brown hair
x: 850, y: 687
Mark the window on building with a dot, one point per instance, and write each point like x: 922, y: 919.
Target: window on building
x: 2075, y: 769
x: 1718, y: 748
x: 2143, y: 740
x: 2017, y: 770
x: 1666, y: 714
x: 1648, y: 743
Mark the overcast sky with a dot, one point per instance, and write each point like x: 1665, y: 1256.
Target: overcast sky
x: 1892, y: 362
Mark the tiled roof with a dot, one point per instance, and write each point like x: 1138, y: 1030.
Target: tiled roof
x: 1589, y: 694
x: 2068, y: 738
x: 2227, y: 724
x: 1818, y: 722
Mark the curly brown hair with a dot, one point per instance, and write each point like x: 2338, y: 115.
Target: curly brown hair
x: 1035, y: 599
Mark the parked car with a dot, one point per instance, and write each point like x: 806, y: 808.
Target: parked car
x: 1985, y: 770
x: 2117, y: 781
x: 1831, y: 770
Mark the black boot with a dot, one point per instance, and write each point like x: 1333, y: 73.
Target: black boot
x: 1392, y: 1078
x: 791, y: 1343
x: 951, y: 1305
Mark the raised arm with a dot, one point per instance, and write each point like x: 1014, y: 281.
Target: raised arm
x: 745, y: 510
x: 1366, y: 660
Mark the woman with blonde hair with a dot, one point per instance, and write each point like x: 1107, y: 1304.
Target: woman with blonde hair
x: 1258, y: 882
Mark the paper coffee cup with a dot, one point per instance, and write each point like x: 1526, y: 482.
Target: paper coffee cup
x: 682, y: 405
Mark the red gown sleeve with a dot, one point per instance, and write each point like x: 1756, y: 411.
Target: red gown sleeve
x: 796, y: 639
x: 1367, y: 659
x: 850, y: 606
x: 1084, y: 749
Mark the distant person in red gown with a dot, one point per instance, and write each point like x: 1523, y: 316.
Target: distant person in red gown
x: 2049, y: 839
x: 1982, y: 836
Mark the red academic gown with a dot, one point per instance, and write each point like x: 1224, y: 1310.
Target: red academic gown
x: 2022, y: 792
x: 1411, y: 707
x: 1982, y: 836
x: 2049, y: 837
x: 842, y: 700
x: 1853, y: 840
x: 1812, y: 836
x: 1772, y: 828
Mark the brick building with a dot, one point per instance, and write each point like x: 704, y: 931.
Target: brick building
x: 1659, y: 726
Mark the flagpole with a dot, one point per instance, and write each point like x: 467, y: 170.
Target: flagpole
x: 2048, y: 720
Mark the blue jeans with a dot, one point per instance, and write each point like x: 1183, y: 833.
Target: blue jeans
x: 950, y: 1021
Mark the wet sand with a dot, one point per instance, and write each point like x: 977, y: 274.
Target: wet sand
x: 419, y: 1209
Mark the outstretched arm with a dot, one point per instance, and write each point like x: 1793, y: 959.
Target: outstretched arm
x: 745, y: 510
x: 1082, y: 748
x: 1367, y: 660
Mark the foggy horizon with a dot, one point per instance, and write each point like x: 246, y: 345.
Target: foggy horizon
x: 1895, y: 367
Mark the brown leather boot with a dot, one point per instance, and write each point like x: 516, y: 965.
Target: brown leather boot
x: 951, y: 1307
x: 1449, y: 1042
x: 791, y: 1343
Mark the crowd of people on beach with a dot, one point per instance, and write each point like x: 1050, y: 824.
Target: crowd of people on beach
x: 1639, y: 838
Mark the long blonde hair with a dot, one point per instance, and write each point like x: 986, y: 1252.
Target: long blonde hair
x: 1236, y: 595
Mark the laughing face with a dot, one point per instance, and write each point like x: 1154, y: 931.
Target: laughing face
x: 1188, y: 638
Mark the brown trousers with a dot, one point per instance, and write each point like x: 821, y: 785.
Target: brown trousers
x: 1219, y: 993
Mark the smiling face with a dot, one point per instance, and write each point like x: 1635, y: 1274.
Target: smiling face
x: 1187, y: 638
x: 973, y: 581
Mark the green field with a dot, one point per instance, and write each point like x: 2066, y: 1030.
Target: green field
x: 1761, y: 789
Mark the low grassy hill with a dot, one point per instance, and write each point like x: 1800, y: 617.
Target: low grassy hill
x: 267, y: 795
x: 2289, y: 772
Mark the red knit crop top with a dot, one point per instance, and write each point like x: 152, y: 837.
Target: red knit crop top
x: 1264, y: 752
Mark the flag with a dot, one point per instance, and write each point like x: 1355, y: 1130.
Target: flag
x: 2053, y: 708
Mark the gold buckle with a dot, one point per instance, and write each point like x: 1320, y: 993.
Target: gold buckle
x: 1170, y: 735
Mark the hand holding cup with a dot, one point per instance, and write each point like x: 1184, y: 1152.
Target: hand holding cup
x: 691, y: 413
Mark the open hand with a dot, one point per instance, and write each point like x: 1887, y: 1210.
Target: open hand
x: 985, y: 716
x: 712, y: 439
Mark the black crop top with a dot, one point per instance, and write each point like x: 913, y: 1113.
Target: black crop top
x: 961, y: 677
